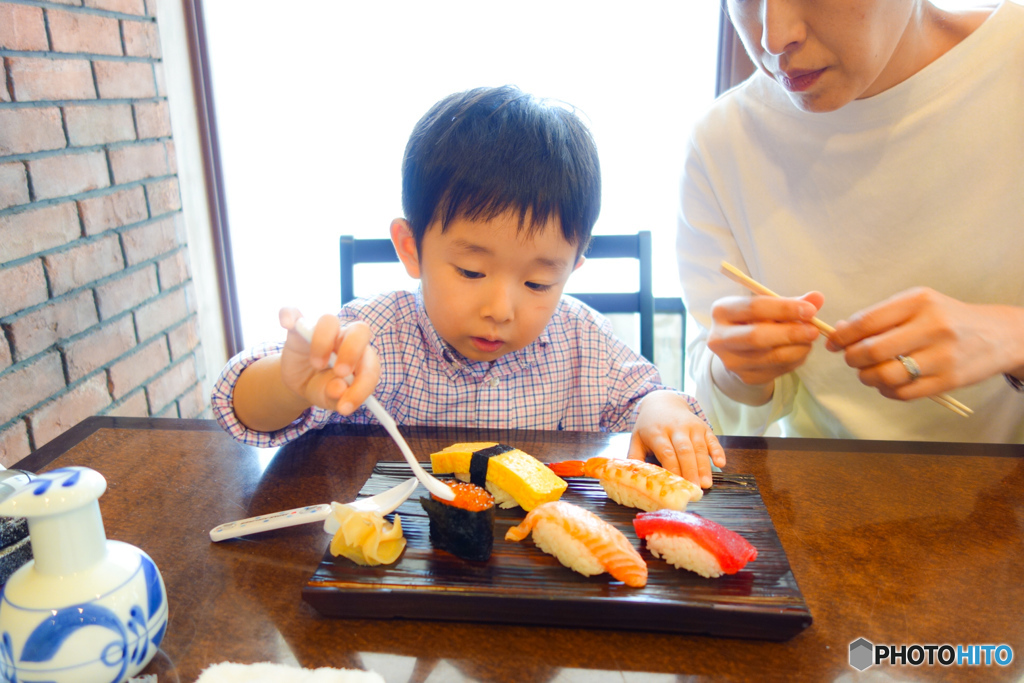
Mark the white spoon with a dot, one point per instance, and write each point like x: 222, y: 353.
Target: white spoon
x: 435, y: 486
x: 385, y: 503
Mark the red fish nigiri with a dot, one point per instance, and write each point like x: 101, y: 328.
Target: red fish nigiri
x: 689, y: 541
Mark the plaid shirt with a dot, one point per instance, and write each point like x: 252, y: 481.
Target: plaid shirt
x: 576, y: 376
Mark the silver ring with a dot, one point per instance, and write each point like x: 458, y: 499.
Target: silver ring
x: 911, y: 366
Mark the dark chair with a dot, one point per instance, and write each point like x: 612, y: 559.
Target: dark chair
x: 641, y: 301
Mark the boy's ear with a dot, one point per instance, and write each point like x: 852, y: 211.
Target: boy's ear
x: 579, y: 263
x: 405, y: 246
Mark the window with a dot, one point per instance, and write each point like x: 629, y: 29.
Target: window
x: 316, y: 98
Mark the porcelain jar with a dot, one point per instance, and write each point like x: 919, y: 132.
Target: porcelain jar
x: 86, y: 609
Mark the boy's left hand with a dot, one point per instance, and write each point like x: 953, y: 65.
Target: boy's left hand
x: 682, y: 442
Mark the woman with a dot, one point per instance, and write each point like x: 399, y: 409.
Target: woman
x: 873, y: 161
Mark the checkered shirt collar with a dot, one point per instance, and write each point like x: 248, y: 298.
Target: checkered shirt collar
x: 455, y: 363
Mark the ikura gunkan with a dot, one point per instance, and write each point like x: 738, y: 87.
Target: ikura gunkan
x: 464, y: 526
x: 692, y: 542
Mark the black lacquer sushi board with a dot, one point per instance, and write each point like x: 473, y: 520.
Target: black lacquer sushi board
x: 520, y: 584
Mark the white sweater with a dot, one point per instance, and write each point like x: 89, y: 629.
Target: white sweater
x: 922, y: 184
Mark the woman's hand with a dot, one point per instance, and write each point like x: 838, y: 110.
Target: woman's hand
x: 954, y: 344
x: 760, y: 338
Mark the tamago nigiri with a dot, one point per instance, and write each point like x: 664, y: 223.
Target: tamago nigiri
x: 510, y: 475
x: 582, y: 541
x: 692, y: 542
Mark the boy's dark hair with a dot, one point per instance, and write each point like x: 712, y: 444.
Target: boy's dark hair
x: 479, y: 153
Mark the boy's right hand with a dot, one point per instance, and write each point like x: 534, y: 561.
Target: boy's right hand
x: 306, y: 370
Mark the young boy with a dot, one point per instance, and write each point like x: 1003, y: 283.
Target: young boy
x: 500, y: 192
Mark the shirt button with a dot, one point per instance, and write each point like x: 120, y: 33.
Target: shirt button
x: 493, y: 382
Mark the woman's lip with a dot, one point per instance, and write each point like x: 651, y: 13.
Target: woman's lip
x: 484, y: 344
x: 798, y: 81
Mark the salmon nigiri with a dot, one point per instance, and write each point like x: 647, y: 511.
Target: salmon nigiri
x: 692, y: 542
x: 582, y: 541
x: 634, y: 483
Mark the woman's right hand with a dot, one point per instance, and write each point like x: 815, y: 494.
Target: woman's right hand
x: 760, y: 338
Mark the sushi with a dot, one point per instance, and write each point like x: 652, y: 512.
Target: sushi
x: 634, y: 483
x: 510, y: 475
x: 463, y: 526
x: 582, y: 541
x: 689, y: 541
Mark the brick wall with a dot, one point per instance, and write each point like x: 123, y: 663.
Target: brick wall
x: 97, y: 306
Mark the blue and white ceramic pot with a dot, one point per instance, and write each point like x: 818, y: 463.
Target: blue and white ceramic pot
x: 86, y: 609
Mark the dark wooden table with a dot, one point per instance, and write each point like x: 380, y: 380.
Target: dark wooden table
x: 897, y: 543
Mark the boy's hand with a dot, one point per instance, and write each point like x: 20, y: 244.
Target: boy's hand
x: 682, y: 442
x: 306, y: 370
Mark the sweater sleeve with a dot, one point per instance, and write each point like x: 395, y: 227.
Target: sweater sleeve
x: 704, y: 240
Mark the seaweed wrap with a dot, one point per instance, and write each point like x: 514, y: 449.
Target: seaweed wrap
x: 464, y: 526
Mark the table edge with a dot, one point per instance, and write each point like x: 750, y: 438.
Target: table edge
x: 48, y: 452
x: 51, y: 450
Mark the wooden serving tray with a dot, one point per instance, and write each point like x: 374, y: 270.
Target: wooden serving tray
x: 520, y: 584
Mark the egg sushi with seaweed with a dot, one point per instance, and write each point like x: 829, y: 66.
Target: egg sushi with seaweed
x: 463, y: 526
x: 510, y: 475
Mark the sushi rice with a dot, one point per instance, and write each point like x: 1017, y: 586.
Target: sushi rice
x: 555, y: 540
x: 684, y: 553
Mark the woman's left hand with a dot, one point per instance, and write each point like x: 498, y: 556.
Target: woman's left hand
x: 953, y: 344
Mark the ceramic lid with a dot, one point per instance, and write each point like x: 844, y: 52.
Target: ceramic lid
x: 53, y: 492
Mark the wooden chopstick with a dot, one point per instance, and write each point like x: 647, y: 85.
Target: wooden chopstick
x: 750, y: 283
x: 956, y: 406
x: 734, y: 273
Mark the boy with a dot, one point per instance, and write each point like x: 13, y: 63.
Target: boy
x: 500, y: 193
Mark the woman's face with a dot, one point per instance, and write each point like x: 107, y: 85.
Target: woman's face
x: 827, y: 53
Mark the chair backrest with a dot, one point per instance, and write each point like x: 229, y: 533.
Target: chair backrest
x: 355, y: 251
x: 638, y: 246
x: 641, y: 300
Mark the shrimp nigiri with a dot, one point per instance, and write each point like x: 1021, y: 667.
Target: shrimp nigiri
x: 689, y: 541
x: 582, y: 541
x: 634, y: 483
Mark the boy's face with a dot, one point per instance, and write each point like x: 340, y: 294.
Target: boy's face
x: 489, y: 290
x: 827, y: 53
